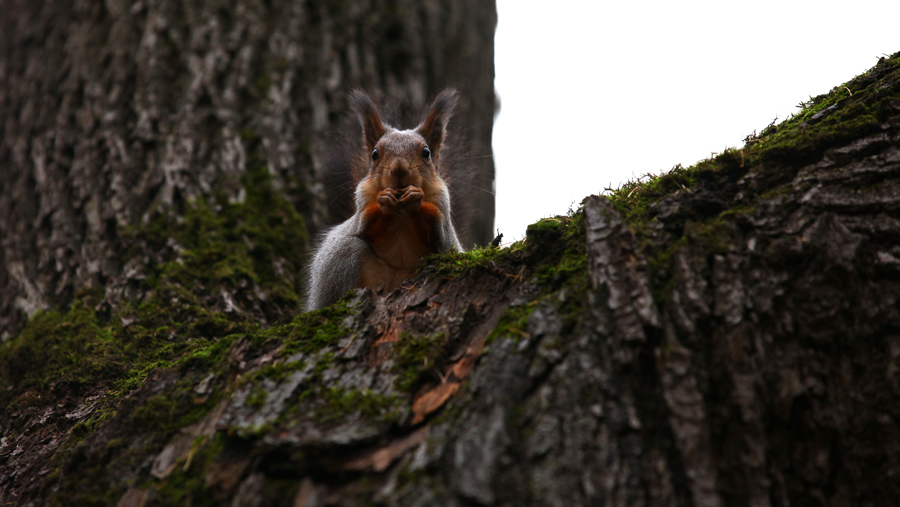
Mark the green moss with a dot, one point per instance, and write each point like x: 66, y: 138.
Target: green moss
x: 275, y: 372
x: 340, y: 403
x: 59, y: 353
x: 324, y: 362
x: 257, y: 398
x: 555, y: 259
x: 219, y: 245
x: 557, y: 253
x: 456, y: 264
x: 415, y: 356
x: 228, y: 243
x: 311, y: 331
x: 328, y: 405
x: 847, y: 112
x: 248, y: 242
x: 186, y: 485
x: 715, y: 236
x: 513, y: 323
x: 177, y: 408
x: 246, y: 246
x: 62, y: 354
x: 633, y: 198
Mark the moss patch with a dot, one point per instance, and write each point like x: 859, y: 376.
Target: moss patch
x: 513, y: 323
x: 186, y: 485
x: 312, y: 331
x: 250, y: 244
x: 341, y: 403
x: 59, y: 352
x: 849, y: 111
x: 634, y: 197
x: 557, y: 252
x: 455, y: 264
x: 72, y: 354
x: 415, y: 356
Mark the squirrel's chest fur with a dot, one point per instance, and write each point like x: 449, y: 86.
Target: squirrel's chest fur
x: 397, y: 244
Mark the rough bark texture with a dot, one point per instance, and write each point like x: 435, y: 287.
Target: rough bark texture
x: 113, y: 111
x: 725, y: 334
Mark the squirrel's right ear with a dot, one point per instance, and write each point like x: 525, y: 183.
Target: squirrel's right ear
x: 369, y: 117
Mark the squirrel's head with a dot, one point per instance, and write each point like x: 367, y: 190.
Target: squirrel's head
x: 399, y: 158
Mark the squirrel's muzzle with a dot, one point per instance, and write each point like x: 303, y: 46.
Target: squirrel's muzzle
x: 399, y: 174
x: 399, y: 169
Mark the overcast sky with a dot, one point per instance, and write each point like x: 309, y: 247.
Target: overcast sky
x: 595, y: 93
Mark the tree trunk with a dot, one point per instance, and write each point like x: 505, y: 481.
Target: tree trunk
x: 111, y: 112
x: 725, y: 334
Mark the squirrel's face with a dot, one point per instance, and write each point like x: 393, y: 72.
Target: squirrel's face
x: 402, y: 158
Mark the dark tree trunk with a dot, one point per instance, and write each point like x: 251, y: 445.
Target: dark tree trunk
x: 113, y: 111
x: 725, y: 334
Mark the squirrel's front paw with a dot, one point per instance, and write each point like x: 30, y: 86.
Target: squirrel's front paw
x: 387, y: 201
x: 411, y: 199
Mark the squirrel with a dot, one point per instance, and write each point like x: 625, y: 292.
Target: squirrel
x: 402, y: 212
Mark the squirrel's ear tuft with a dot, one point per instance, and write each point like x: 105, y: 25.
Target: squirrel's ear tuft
x: 434, y: 127
x: 369, y: 117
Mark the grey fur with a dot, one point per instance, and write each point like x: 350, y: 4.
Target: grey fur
x: 335, y: 267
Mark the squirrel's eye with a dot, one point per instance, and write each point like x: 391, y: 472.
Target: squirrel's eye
x: 375, y: 154
x: 426, y: 153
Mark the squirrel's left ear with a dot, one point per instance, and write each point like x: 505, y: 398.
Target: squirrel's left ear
x: 435, y: 124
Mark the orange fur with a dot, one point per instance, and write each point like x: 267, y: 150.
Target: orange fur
x: 398, y: 242
x: 375, y: 223
x: 428, y: 220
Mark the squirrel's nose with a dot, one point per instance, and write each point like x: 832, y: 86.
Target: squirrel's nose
x: 399, y: 168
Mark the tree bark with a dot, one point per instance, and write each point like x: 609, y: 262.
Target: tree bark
x: 724, y: 334
x: 113, y: 111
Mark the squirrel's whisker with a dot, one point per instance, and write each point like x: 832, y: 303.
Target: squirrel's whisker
x: 476, y: 187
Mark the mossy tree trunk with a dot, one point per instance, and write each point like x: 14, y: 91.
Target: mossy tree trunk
x: 725, y: 334
x: 112, y: 113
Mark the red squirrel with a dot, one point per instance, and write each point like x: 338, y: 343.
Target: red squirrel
x: 402, y: 213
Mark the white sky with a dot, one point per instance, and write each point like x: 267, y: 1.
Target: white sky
x: 595, y: 93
